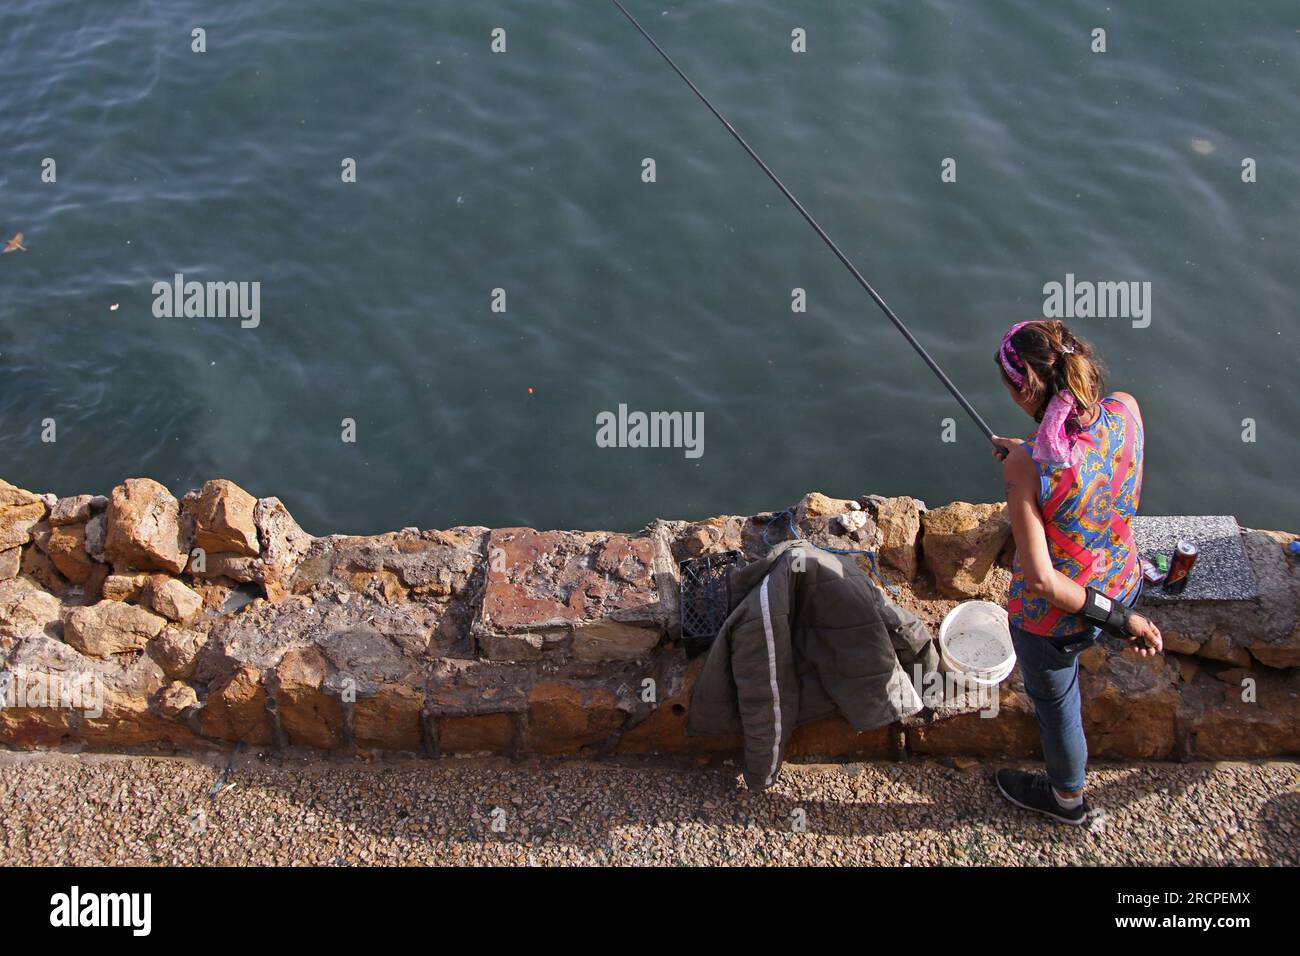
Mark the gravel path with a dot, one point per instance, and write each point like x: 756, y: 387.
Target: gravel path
x: 100, y: 809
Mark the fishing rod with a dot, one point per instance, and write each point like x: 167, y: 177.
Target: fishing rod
x: 884, y: 306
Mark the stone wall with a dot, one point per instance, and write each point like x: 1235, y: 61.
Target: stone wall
x: 215, y: 619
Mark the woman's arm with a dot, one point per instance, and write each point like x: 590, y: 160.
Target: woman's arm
x: 1041, y: 577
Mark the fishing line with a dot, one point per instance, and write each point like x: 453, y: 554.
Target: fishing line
x: 876, y: 297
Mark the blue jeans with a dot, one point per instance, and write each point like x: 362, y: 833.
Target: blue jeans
x: 1050, y: 669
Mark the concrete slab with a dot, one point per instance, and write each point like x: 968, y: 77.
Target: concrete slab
x: 1222, y: 571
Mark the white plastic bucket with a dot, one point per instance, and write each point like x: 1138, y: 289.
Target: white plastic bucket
x: 975, y: 640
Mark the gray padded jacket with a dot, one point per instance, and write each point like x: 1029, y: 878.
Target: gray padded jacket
x: 809, y: 635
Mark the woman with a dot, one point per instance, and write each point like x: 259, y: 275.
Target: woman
x: 1072, y: 490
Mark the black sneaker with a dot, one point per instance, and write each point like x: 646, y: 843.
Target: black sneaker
x: 1032, y: 791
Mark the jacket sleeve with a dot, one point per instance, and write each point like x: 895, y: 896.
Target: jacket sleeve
x: 911, y: 637
x: 766, y: 684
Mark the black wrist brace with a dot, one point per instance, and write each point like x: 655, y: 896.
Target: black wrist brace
x: 1110, y: 614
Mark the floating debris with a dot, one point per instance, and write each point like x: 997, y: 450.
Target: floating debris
x: 1202, y: 147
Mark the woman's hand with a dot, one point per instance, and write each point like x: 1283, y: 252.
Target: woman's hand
x: 1146, y: 640
x: 1003, y: 446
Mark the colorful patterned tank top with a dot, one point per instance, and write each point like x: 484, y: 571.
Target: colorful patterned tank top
x: 1086, y: 511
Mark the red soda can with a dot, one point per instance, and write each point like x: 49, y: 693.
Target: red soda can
x: 1181, y: 567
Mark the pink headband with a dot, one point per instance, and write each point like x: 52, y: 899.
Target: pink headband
x: 1009, y: 359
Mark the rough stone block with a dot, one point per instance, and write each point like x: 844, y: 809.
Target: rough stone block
x: 19, y: 511
x: 482, y: 733
x: 224, y: 519
x: 1255, y: 716
x: 66, y: 549
x: 111, y: 627
x: 309, y: 710
x: 236, y: 708
x: 961, y: 543
x: 26, y: 609
x: 543, y: 584
x: 566, y: 718
x: 144, y: 529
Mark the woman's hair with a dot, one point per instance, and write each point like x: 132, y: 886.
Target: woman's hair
x: 1052, y: 359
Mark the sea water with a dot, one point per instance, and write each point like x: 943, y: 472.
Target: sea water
x: 521, y: 171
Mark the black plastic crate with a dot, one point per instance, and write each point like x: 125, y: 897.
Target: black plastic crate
x: 706, y: 598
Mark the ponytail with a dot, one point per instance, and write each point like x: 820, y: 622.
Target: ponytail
x: 1055, y: 360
